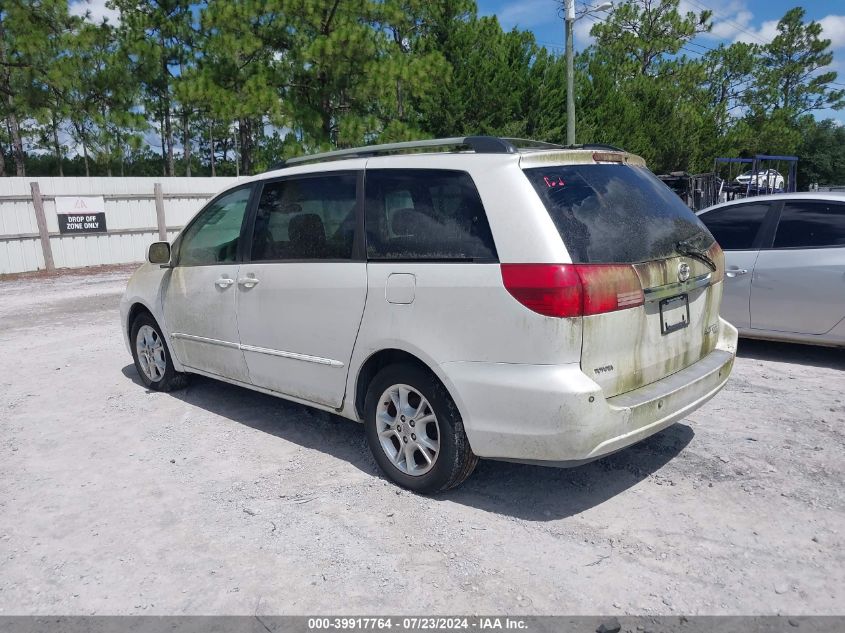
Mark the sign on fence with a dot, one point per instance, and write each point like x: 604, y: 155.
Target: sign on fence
x: 79, y: 214
x: 90, y: 223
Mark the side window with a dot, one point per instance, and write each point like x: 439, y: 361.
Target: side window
x: 306, y: 218
x: 425, y: 214
x: 213, y: 237
x: 735, y: 227
x: 808, y: 224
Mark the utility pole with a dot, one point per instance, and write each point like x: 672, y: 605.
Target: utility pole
x: 569, y: 23
x: 236, y: 130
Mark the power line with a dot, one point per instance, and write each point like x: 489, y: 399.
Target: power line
x: 729, y: 21
x: 707, y: 48
x: 550, y: 45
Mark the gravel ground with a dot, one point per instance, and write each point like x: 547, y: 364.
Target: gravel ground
x: 218, y: 500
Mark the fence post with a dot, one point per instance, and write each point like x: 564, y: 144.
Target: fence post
x: 160, y: 219
x: 41, y: 220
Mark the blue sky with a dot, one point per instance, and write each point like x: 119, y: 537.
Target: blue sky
x: 746, y: 20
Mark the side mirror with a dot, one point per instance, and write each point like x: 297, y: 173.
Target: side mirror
x: 159, y: 253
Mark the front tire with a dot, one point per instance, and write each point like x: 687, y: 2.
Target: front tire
x: 152, y: 357
x: 415, y: 431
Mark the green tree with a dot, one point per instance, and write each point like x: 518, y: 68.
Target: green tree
x: 31, y: 36
x: 790, y: 76
x: 334, y: 64
x: 155, y: 35
x: 491, y: 86
x: 821, y: 151
x: 102, y: 98
x: 639, y: 34
x: 639, y: 91
x: 730, y: 75
x: 240, y: 74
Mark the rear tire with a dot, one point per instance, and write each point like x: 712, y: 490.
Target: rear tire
x: 415, y: 431
x: 152, y: 357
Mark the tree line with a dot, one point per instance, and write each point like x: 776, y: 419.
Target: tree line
x: 179, y: 87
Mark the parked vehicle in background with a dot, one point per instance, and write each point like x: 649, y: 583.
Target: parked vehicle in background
x: 764, y: 179
x: 512, y: 300
x: 785, y: 265
x: 697, y: 191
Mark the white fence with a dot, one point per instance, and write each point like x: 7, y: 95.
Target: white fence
x: 137, y: 211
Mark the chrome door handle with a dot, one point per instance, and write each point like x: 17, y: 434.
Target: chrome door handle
x: 248, y: 282
x: 224, y: 282
x: 736, y: 272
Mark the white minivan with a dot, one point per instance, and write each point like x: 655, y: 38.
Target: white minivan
x: 463, y: 298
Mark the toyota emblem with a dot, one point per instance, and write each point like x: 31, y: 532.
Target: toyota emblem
x: 683, y: 271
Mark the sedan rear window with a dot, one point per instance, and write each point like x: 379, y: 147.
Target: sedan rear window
x: 616, y: 213
x: 811, y: 224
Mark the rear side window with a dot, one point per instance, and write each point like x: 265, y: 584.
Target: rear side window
x: 305, y: 218
x: 615, y: 213
x: 425, y: 214
x: 735, y: 228
x: 811, y: 224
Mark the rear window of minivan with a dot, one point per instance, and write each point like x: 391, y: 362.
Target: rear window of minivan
x: 616, y: 213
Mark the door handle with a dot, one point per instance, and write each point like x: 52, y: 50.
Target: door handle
x: 224, y: 282
x: 248, y: 282
x: 736, y: 272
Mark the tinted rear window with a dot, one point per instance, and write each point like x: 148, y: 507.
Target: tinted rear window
x: 615, y: 213
x: 811, y: 224
x: 736, y: 227
x: 425, y: 214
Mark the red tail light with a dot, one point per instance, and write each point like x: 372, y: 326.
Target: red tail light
x: 550, y: 289
x: 610, y: 287
x: 570, y: 290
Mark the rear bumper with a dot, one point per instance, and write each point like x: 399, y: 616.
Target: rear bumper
x: 556, y: 415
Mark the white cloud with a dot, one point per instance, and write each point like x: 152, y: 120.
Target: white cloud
x: 729, y: 17
x: 96, y: 11
x: 726, y: 30
x: 833, y: 29
x: 763, y: 34
x: 583, y: 39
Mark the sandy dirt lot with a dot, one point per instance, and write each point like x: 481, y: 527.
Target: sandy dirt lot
x: 218, y: 500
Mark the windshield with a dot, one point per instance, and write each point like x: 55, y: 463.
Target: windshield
x: 616, y: 213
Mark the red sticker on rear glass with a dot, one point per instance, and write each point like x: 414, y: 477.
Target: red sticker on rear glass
x: 552, y: 182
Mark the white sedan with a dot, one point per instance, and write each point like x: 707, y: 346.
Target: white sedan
x: 769, y: 179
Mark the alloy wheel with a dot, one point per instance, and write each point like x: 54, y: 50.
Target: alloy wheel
x: 408, y: 430
x: 150, y: 349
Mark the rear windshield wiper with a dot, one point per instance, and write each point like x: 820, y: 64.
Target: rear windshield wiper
x: 685, y: 248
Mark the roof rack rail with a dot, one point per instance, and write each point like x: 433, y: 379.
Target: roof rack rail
x: 479, y: 144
